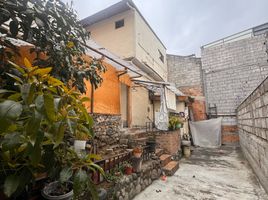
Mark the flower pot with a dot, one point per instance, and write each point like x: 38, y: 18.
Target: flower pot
x: 128, y: 170
x: 51, y: 188
x: 178, y: 126
x: 79, y: 145
x: 186, y: 151
x: 137, y: 154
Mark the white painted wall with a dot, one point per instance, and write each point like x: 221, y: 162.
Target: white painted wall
x: 147, y: 46
x: 119, y: 41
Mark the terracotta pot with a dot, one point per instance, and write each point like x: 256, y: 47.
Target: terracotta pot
x: 137, y: 154
x: 128, y: 170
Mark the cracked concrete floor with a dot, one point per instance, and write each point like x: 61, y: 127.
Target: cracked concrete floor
x: 209, y: 174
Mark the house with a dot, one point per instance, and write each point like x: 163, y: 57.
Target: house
x: 123, y: 30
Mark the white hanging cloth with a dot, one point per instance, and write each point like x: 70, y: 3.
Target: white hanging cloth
x: 161, y: 117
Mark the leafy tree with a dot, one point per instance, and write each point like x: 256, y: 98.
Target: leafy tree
x: 37, y: 122
x: 54, y: 30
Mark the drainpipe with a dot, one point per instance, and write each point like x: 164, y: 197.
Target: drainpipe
x: 92, y: 99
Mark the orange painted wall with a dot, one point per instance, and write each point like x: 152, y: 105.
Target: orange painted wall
x: 107, y: 96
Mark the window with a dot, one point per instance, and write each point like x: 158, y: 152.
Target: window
x: 161, y: 57
x: 119, y: 23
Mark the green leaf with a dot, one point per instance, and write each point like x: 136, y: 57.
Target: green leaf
x: 93, y: 156
x: 65, y: 174
x: 10, y: 109
x: 11, y: 184
x: 54, y: 82
x: 33, y: 126
x: 15, y: 97
x: 27, y: 92
x: 35, y: 155
x: 84, y: 99
x: 42, y: 71
x: 15, y: 77
x: 80, y: 181
x: 60, y: 134
x: 10, y: 141
x: 20, y: 69
x: 49, y: 106
x: 3, y: 91
x: 39, y: 103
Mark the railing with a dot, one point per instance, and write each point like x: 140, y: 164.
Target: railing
x: 109, y: 164
x: 146, y: 153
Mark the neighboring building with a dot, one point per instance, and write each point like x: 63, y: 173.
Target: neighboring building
x: 122, y: 29
x: 185, y: 72
x: 232, y: 68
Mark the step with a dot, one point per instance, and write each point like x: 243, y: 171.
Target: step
x: 141, y: 141
x: 159, y: 152
x: 171, y: 168
x: 165, y: 159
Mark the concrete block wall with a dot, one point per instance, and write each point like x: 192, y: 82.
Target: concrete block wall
x: 185, y: 72
x: 252, y: 116
x: 231, y: 71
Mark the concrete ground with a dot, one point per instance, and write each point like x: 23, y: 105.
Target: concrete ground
x: 209, y: 174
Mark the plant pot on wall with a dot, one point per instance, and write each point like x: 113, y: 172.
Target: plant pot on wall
x: 128, y: 170
x: 52, y: 191
x: 137, y: 152
x: 79, y: 145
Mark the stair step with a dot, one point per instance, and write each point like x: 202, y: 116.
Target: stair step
x: 171, y: 168
x: 141, y: 141
x: 165, y: 159
x: 159, y: 152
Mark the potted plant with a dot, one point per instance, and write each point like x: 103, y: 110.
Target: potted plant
x: 37, y: 120
x: 80, y: 141
x: 127, y: 168
x: 174, y: 123
x: 61, y: 189
x: 137, y: 152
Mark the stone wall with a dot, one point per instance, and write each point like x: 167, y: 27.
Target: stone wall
x: 130, y: 186
x: 170, y: 141
x: 106, y: 129
x: 231, y: 71
x: 185, y: 72
x: 252, y: 117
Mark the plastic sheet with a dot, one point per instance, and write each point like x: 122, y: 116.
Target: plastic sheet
x: 207, y: 133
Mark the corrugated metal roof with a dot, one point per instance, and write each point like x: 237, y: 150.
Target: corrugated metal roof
x: 104, y: 51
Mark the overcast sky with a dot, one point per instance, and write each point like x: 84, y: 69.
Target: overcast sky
x: 185, y: 25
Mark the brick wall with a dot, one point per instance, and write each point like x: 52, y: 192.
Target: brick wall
x: 231, y: 71
x: 252, y: 117
x: 185, y: 72
x: 170, y: 141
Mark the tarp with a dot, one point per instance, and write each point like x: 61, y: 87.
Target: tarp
x: 206, y: 133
